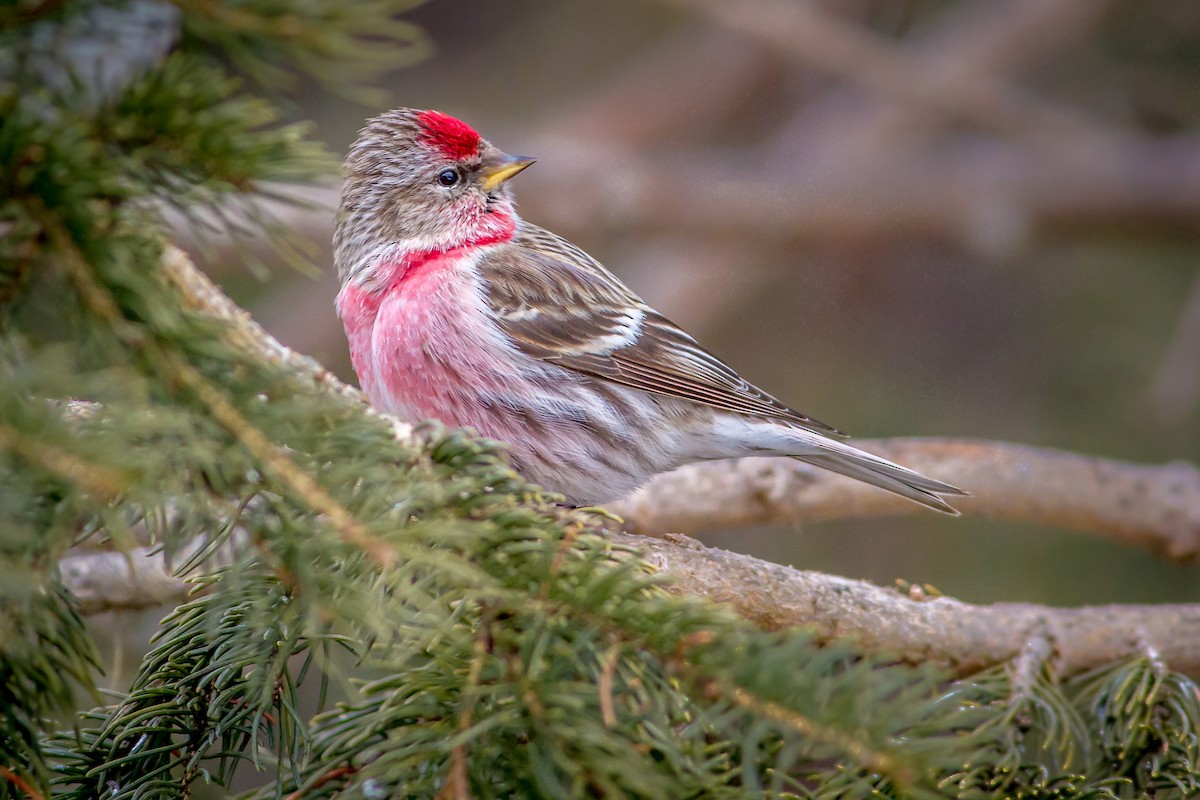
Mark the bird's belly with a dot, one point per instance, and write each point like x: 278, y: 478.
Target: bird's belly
x: 433, y: 357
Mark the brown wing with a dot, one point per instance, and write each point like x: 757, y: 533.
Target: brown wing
x: 560, y: 305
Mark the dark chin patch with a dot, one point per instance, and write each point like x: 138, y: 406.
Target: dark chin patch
x: 451, y: 137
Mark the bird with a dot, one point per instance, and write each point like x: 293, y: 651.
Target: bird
x: 457, y: 309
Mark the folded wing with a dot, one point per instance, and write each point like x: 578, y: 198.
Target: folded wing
x: 562, y: 306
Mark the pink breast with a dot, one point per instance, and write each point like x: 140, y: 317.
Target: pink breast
x: 422, y: 347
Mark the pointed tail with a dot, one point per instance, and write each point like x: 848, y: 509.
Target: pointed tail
x: 872, y: 469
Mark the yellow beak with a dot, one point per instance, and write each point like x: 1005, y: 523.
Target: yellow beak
x: 499, y: 169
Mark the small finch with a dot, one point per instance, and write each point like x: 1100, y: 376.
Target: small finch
x: 456, y: 309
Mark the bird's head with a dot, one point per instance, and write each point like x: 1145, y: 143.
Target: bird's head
x: 421, y: 180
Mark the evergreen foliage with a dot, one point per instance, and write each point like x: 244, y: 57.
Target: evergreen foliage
x: 489, y: 644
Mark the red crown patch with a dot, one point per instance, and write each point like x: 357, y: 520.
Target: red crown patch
x: 452, y: 137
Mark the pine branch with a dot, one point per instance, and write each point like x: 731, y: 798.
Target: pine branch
x: 96, y: 128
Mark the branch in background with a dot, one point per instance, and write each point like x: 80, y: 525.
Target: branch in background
x: 1155, y: 507
x: 990, y: 198
x: 985, y: 193
x: 939, y: 629
x: 657, y: 98
x: 802, y: 30
x: 854, y: 129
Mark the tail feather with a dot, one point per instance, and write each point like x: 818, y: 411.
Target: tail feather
x: 880, y: 472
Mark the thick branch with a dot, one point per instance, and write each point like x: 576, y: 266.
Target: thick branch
x: 1151, y: 506
x: 985, y: 194
x: 963, y: 636
x: 940, y: 629
x: 1157, y: 507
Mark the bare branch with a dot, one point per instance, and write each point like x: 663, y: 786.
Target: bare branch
x: 1156, y: 507
x: 943, y: 630
x: 971, y: 41
x: 114, y: 581
x: 982, y: 193
x: 963, y: 636
x: 988, y: 195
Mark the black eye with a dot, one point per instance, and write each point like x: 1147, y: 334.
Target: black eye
x: 448, y: 177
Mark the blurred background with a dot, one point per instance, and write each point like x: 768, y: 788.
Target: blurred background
x: 905, y: 217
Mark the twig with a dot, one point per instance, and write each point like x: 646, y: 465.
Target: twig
x: 1035, y: 659
x: 457, y: 781
x: 965, y: 637
x: 846, y: 742
x: 1156, y: 507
